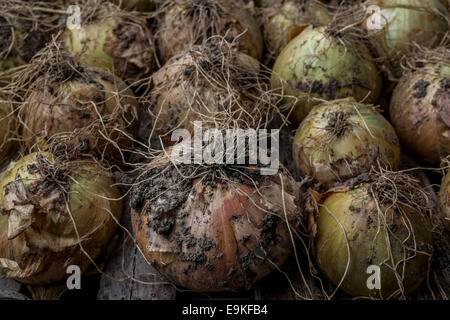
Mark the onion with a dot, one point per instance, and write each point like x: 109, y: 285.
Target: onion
x: 187, y: 22
x: 89, y: 109
x: 222, y: 88
x: 284, y: 22
x: 420, y: 111
x: 444, y: 201
x: 376, y: 220
x: 113, y: 39
x: 218, y: 230
x: 342, y: 139
x: 318, y: 65
x: 51, y: 209
x: 401, y: 24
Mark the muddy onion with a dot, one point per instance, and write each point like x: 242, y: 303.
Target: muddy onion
x: 420, y: 112
x: 39, y: 196
x: 404, y: 24
x: 212, y: 234
x: 444, y: 201
x: 316, y: 64
x: 187, y: 22
x: 379, y: 222
x: 342, y: 139
x: 212, y: 84
x: 91, y: 110
x: 114, y: 40
x: 281, y: 26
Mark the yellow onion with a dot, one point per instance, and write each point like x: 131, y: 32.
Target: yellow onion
x: 284, y: 22
x: 187, y: 22
x: 221, y: 231
x: 444, y: 201
x: 399, y: 25
x: 113, y: 39
x: 342, y: 139
x: 420, y: 111
x: 377, y: 220
x: 318, y: 65
x: 50, y: 209
x: 222, y: 88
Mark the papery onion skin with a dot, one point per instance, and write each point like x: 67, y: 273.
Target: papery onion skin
x: 280, y: 28
x: 216, y: 236
x: 354, y: 212
x: 420, y: 112
x: 113, y: 43
x: 316, y: 64
x: 80, y: 108
x: 179, y: 28
x: 40, y: 253
x: 444, y: 201
x: 343, y: 139
x: 422, y: 23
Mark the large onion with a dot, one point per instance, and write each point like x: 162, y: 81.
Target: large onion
x: 444, y: 201
x: 420, y: 111
x: 404, y: 24
x: 219, y: 231
x: 187, y: 22
x: 49, y: 210
x: 283, y: 20
x: 318, y: 65
x: 88, y: 108
x: 342, y: 139
x: 377, y: 221
x: 222, y: 88
x: 113, y: 39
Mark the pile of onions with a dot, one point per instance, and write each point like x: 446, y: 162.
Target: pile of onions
x: 214, y: 84
x: 53, y: 215
x: 342, y: 139
x: 90, y: 110
x: 216, y: 230
x: 444, y: 201
x: 283, y: 20
x: 399, y: 25
x: 187, y: 22
x: 420, y: 111
x: 318, y: 65
x: 113, y: 39
x: 378, y: 219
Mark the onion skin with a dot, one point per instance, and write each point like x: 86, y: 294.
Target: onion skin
x: 178, y: 30
x: 114, y: 44
x: 66, y: 108
x: 343, y: 139
x: 356, y: 212
x: 444, y: 201
x: 314, y: 63
x: 420, y: 112
x: 37, y: 248
x: 213, y: 237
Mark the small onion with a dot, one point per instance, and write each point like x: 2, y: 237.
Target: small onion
x: 316, y: 64
x: 342, y: 139
x: 420, y: 111
x: 404, y: 24
x: 211, y: 234
x: 283, y: 23
x: 444, y: 201
x: 187, y: 22
x: 381, y: 222
x: 114, y: 40
x: 39, y: 198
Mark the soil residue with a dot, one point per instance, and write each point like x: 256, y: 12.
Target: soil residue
x: 420, y: 89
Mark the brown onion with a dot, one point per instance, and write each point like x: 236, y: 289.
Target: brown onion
x: 214, y: 234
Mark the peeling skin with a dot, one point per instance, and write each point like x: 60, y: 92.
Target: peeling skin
x: 220, y: 238
x: 419, y: 112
